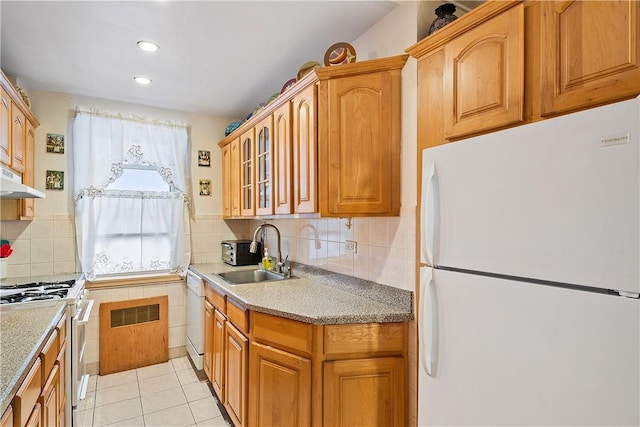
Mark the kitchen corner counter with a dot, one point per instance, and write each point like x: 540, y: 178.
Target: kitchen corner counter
x: 23, y: 331
x: 315, y: 296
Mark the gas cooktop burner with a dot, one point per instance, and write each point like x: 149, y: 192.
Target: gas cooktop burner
x: 35, y: 291
x: 63, y: 284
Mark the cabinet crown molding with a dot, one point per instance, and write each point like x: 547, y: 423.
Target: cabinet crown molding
x: 482, y: 13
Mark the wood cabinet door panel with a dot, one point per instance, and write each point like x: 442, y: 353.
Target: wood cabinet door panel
x: 235, y: 177
x: 237, y: 363
x: 364, y: 392
x: 358, y: 172
x: 217, y: 364
x: 484, y: 76
x: 282, y: 151
x: 263, y: 164
x: 49, y: 400
x: 28, y: 205
x: 5, y: 127
x: 247, y: 173
x: 280, y: 388
x: 226, y: 181
x: 18, y: 136
x: 592, y: 53
x: 208, y: 340
x: 304, y: 151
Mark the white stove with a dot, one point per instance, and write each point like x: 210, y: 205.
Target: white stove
x: 71, y: 291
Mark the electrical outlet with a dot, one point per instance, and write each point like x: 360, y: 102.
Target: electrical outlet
x: 350, y: 246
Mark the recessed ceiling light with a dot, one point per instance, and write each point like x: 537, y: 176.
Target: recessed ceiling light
x: 148, y: 46
x: 142, y: 80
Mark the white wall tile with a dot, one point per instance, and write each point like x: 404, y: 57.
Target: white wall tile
x: 21, y: 252
x: 177, y: 336
x: 378, y: 231
x: 334, y: 226
x: 361, y: 230
x: 361, y: 262
x: 377, y: 262
x: 64, y: 249
x: 176, y: 293
x: 42, y: 229
x: 64, y: 228
x: 41, y: 250
x: 177, y: 316
x: 60, y: 267
x: 41, y: 269
x: 14, y: 230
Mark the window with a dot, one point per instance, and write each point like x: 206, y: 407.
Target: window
x: 131, y: 192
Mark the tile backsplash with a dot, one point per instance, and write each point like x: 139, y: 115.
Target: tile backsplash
x: 44, y: 246
x: 385, y: 245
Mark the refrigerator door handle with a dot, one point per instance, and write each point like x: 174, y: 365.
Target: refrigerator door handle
x: 428, y: 321
x: 428, y: 214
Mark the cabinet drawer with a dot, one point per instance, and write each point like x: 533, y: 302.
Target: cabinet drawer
x: 216, y: 298
x: 28, y: 393
x: 61, y: 327
x: 49, y: 354
x: 7, y: 418
x: 238, y: 316
x: 364, y: 338
x: 287, y: 333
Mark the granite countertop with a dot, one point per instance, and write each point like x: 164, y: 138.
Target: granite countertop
x: 23, y: 330
x: 315, y: 296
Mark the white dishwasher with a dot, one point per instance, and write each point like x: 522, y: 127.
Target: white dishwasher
x: 195, y: 319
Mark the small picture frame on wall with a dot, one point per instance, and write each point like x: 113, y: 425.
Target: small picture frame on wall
x: 54, y: 180
x: 205, y: 187
x: 55, y: 143
x: 204, y: 158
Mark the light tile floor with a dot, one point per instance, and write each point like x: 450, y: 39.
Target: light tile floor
x: 167, y: 394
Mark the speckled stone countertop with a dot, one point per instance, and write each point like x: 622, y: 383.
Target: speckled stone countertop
x: 315, y: 296
x: 23, y: 330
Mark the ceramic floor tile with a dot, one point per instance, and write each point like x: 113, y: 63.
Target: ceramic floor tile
x: 214, y: 422
x: 117, y: 393
x: 187, y: 376
x: 133, y: 422
x: 119, y: 378
x: 204, y: 409
x: 196, y: 391
x: 115, y: 412
x: 179, y: 416
x: 181, y: 363
x: 164, y: 399
x: 155, y: 370
x: 83, y: 418
x: 159, y: 383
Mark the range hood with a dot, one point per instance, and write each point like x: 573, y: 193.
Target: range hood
x: 11, y: 187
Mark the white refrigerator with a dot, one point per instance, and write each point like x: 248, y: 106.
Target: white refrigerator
x: 530, y: 274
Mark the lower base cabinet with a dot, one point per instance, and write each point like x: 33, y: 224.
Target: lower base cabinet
x: 237, y: 361
x: 279, y: 388
x: 364, y: 392
x: 49, y: 399
x: 272, y: 371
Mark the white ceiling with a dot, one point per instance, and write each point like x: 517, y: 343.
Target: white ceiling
x: 215, y: 57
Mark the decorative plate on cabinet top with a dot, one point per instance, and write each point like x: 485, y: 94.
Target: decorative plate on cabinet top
x: 231, y: 127
x: 306, y: 68
x: 287, y: 85
x: 273, y: 97
x: 340, y: 53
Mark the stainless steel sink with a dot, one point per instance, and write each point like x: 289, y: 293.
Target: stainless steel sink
x: 250, y: 276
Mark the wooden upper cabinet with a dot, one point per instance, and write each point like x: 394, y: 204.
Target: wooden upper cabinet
x: 5, y: 127
x: 231, y: 179
x: 264, y: 166
x: 484, y: 76
x: 28, y: 205
x: 590, y: 53
x: 305, y: 168
x: 359, y: 142
x: 282, y: 159
x: 18, y: 136
x: 247, y: 178
x: 304, y: 150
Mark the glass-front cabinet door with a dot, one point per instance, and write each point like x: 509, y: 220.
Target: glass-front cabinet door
x: 247, y: 207
x: 264, y: 172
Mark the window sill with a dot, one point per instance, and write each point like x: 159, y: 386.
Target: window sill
x: 137, y: 279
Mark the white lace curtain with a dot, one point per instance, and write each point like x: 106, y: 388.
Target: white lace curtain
x: 124, y: 231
